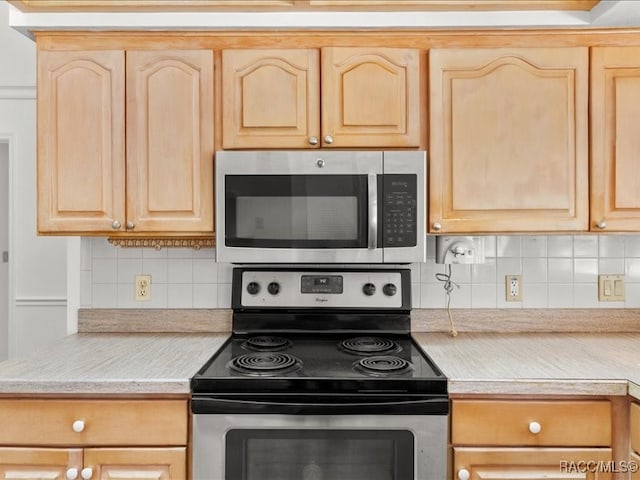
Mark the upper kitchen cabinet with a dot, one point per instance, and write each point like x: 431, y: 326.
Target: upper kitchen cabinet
x: 81, y: 143
x: 508, y: 140
x: 615, y: 143
x: 370, y: 97
x: 161, y: 179
x: 271, y: 98
x: 170, y: 141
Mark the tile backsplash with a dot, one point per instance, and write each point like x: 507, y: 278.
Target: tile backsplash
x: 558, y: 271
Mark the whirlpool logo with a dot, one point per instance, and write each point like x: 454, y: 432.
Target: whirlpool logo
x: 321, y: 299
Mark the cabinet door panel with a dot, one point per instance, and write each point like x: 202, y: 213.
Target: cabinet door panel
x: 170, y: 140
x: 615, y: 143
x: 508, y: 139
x: 371, y: 97
x: 271, y: 98
x: 81, y: 160
x: 38, y: 463
x: 533, y: 463
x: 634, y: 463
x: 137, y: 463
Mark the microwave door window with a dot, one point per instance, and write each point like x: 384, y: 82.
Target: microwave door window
x: 296, y: 211
x: 297, y: 218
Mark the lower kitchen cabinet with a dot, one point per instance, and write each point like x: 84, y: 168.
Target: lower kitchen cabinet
x: 147, y: 463
x: 634, y: 432
x: 93, y: 439
x: 26, y: 463
x: 531, y: 439
x: 38, y: 463
x: 531, y: 463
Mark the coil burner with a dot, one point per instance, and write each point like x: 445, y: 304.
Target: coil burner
x: 370, y: 346
x: 267, y: 343
x: 383, y: 366
x: 265, y: 363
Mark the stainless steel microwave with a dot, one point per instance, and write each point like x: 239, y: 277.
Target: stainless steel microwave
x: 320, y: 206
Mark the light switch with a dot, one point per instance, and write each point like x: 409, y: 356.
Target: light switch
x: 611, y: 288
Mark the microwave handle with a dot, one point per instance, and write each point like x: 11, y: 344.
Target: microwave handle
x: 373, y: 211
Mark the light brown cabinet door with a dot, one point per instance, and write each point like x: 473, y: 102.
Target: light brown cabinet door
x: 615, y: 143
x: 508, y: 140
x: 271, y: 98
x: 532, y: 463
x: 109, y: 422
x: 634, y: 466
x: 133, y: 463
x: 81, y: 143
x: 370, y: 97
x: 38, y: 463
x: 170, y: 141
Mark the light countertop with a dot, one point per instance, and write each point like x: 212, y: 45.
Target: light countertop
x: 111, y: 363
x: 537, y: 363
x: 475, y: 363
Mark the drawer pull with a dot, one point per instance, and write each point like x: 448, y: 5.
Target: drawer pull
x: 72, y: 474
x: 535, y: 427
x: 463, y: 474
x: 78, y: 426
x: 86, y: 473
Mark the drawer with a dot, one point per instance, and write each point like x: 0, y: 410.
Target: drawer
x: 511, y: 423
x: 99, y: 422
x: 635, y: 427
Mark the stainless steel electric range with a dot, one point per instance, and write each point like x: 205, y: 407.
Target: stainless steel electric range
x: 320, y: 380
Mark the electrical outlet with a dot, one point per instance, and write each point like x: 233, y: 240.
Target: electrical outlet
x: 142, y: 285
x: 513, y: 288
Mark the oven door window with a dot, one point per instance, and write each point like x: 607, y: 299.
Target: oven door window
x: 319, y: 454
x: 296, y: 211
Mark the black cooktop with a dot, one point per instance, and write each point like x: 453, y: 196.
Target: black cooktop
x: 320, y: 363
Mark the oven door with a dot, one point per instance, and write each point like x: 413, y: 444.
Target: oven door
x: 319, y: 447
x: 297, y: 206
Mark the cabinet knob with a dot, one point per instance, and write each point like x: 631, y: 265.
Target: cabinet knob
x: 463, y: 474
x: 436, y: 226
x: 116, y: 225
x: 86, y: 473
x: 313, y: 140
x: 130, y: 225
x: 78, y: 426
x: 535, y: 427
x: 72, y: 474
x: 328, y: 139
x: 601, y: 224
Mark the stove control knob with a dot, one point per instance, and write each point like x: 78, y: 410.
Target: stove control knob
x: 273, y: 288
x: 253, y: 288
x: 389, y: 289
x: 369, y: 289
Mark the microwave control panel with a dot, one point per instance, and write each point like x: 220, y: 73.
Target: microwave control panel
x: 399, y: 210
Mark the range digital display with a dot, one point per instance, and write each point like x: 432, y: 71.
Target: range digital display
x: 321, y: 284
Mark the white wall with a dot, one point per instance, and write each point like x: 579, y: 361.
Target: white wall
x: 4, y: 246
x: 37, y: 264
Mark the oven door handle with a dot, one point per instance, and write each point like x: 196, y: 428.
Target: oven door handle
x: 372, y: 180
x: 210, y: 405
